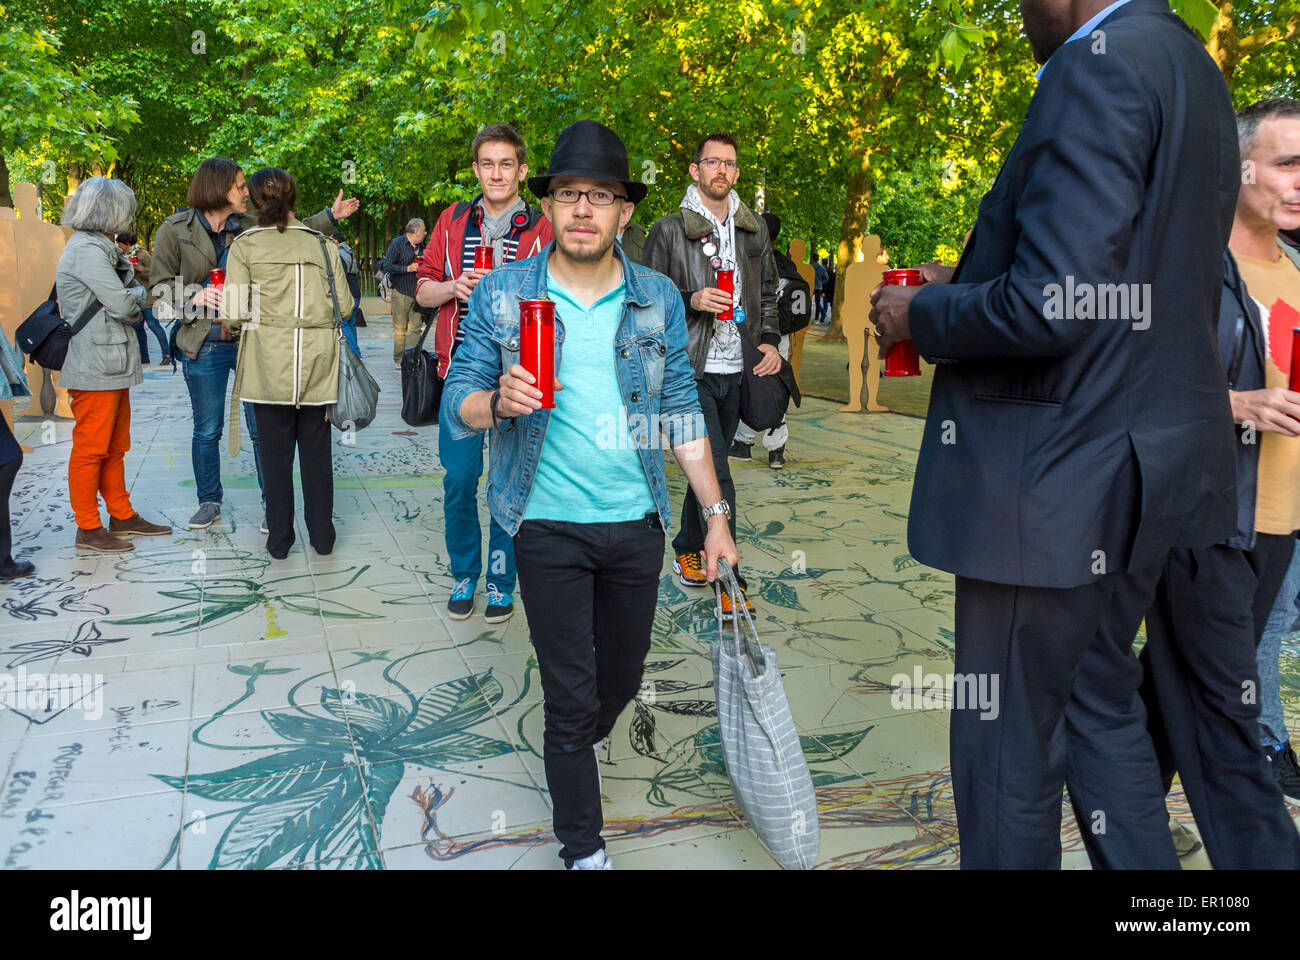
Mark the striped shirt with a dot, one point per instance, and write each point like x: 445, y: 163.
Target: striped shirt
x: 467, y: 248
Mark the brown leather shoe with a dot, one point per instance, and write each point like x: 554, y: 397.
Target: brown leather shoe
x: 101, y: 541
x: 137, y: 526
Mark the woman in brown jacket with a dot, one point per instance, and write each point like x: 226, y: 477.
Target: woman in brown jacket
x: 278, y: 292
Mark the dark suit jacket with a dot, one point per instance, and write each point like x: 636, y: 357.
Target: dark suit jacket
x: 1051, y: 438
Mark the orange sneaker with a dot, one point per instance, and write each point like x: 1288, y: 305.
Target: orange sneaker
x: 728, y: 613
x: 690, y: 570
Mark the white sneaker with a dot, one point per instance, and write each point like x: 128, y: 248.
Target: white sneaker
x: 597, y: 861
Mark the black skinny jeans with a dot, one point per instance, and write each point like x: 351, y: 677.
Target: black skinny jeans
x: 590, y: 591
x: 719, y: 395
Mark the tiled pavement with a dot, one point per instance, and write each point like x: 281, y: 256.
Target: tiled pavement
x: 323, y: 712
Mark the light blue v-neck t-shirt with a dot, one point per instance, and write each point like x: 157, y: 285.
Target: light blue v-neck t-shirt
x: 590, y: 470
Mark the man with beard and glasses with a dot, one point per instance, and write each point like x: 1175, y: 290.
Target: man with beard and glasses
x: 715, y: 231
x: 581, y: 486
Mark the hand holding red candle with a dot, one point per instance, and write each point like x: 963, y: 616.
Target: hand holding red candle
x: 537, y: 347
x: 1294, y: 379
x: 890, y: 303
x: 519, y: 397
x: 727, y: 284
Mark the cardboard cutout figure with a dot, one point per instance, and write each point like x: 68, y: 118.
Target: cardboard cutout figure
x: 799, y: 254
x: 859, y: 280
x: 10, y: 307
x: 38, y: 246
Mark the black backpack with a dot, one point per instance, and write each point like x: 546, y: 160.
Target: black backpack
x: 44, y: 336
x: 794, y: 304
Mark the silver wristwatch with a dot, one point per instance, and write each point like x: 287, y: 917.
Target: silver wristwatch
x: 720, y: 507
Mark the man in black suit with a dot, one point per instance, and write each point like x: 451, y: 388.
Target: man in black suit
x: 1078, y: 425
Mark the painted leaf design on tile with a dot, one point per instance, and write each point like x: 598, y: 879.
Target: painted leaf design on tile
x: 804, y: 575
x: 311, y: 803
x: 381, y: 780
x: 87, y: 638
x: 905, y: 560
x: 687, y: 708
x: 348, y: 834
x: 669, y: 591
x: 371, y: 718
x: 831, y: 746
x: 461, y: 748
x: 709, y: 759
x: 304, y: 728
x: 265, y: 832
x: 452, y: 706
x: 678, y: 686
x: 671, y: 782
x: 257, y: 669
x: 332, y: 703
x: 659, y: 666
x: 641, y: 732
x: 279, y: 775
x: 708, y: 746
x: 325, y: 607
x: 222, y: 599
x: 781, y: 594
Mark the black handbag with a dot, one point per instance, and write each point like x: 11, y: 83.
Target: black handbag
x: 421, y: 385
x: 764, y: 400
x: 44, y: 336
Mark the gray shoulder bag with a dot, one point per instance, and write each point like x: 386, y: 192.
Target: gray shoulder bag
x: 358, y: 396
x: 760, y: 744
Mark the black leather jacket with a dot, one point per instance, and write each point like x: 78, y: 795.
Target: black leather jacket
x: 1241, y: 351
x: 673, y: 248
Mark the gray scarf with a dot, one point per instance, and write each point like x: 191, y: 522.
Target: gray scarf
x: 493, y: 230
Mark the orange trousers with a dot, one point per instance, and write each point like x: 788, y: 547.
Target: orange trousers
x: 101, y: 436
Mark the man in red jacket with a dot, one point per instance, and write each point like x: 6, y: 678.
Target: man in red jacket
x: 498, y: 217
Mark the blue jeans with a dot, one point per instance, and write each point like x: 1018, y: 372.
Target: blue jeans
x: 1281, y: 621
x: 463, y: 462
x: 152, y: 324
x: 207, y: 376
x: 350, y: 331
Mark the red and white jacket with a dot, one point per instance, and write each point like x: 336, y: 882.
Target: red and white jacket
x: 442, y: 258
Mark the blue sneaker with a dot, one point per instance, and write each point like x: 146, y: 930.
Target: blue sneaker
x: 501, y: 606
x: 461, y: 604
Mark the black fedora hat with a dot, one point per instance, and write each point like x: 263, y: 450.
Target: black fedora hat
x: 588, y: 149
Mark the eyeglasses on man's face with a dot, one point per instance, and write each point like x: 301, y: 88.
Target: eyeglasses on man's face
x: 597, y: 198
x: 712, y: 163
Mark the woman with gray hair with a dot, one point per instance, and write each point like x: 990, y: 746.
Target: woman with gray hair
x: 101, y: 365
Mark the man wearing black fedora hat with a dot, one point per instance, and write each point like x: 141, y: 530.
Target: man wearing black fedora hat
x: 581, y: 486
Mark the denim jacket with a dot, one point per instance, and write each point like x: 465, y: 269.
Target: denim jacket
x: 13, y: 381
x: 654, y: 375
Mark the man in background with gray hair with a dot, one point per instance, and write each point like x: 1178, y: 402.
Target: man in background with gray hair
x: 1201, y: 683
x: 400, y: 263
x: 1268, y: 207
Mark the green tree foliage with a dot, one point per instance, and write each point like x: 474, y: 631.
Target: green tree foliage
x: 52, y: 109
x: 853, y: 115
